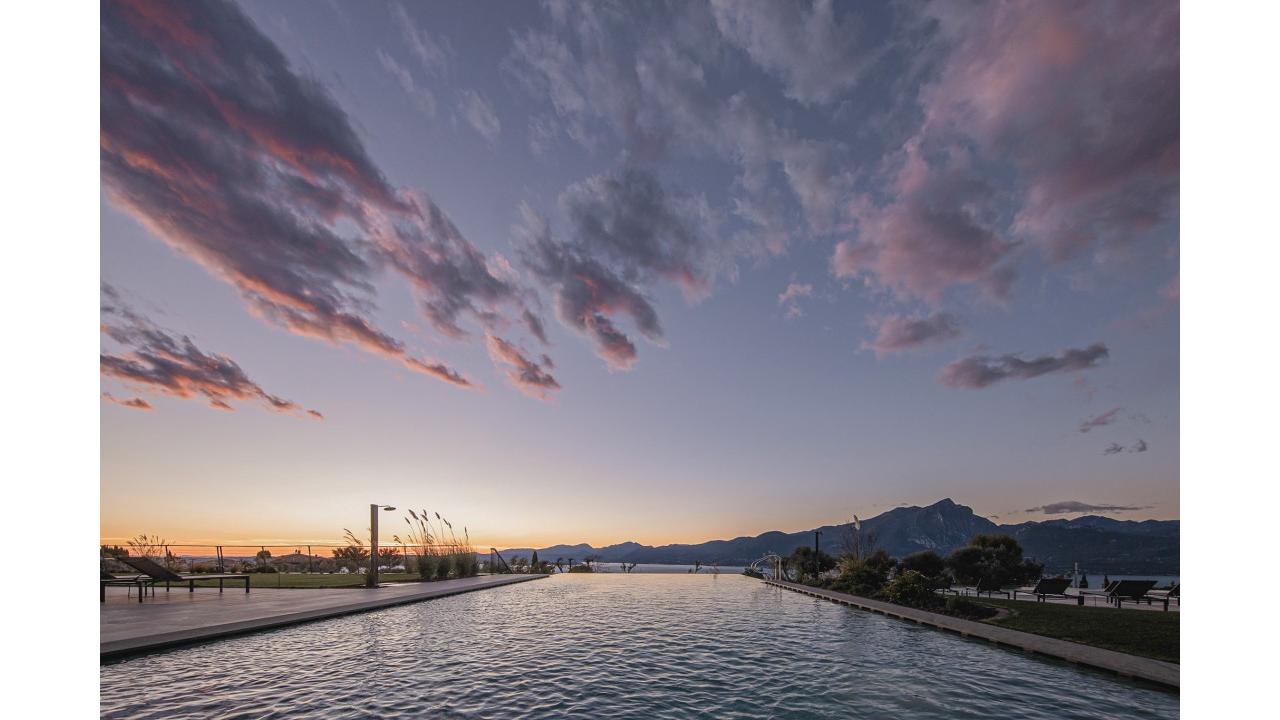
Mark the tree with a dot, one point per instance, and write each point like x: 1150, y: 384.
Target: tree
x: 808, y: 565
x: 992, y: 557
x: 533, y: 562
x: 881, y: 561
x: 926, y: 562
x: 389, y: 557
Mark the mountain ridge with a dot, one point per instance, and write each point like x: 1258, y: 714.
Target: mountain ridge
x: 1099, y: 544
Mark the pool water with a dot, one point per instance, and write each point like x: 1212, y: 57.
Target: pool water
x: 616, y: 646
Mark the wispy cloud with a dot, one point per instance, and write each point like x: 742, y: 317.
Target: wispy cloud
x: 255, y: 172
x: 790, y: 298
x: 479, y: 114
x: 1100, y: 420
x: 418, y: 95
x: 136, y: 403
x: 1139, y: 446
x: 1075, y: 506
x: 799, y: 45
x: 626, y: 233
x: 900, y: 333
x: 152, y: 359
x: 980, y: 371
x: 434, y: 53
x: 530, y: 377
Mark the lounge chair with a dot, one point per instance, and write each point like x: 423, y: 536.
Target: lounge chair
x: 1118, y: 591
x: 1057, y: 587
x: 153, y: 572
x: 1165, y: 596
x: 947, y: 588
x: 990, y: 587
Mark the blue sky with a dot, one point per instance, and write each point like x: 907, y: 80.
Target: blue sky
x: 976, y: 211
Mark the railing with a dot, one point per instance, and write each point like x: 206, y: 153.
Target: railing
x: 313, y: 558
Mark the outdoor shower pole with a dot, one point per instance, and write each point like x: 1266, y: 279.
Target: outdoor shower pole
x: 372, y: 579
x: 817, y: 563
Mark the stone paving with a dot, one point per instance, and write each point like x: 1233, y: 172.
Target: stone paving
x: 1157, y: 671
x: 178, y: 617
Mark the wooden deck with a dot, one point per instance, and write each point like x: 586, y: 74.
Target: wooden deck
x: 179, y: 617
x: 1156, y: 671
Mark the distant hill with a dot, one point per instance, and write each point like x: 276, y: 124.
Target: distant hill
x: 1098, y: 544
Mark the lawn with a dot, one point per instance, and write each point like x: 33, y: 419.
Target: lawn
x: 312, y: 580
x: 1138, y: 632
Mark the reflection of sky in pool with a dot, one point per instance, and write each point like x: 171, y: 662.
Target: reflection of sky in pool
x: 616, y: 646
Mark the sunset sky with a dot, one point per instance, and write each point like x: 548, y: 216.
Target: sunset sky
x: 662, y: 272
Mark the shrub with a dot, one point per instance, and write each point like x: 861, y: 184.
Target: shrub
x: 464, y: 564
x: 808, y: 565
x: 444, y: 564
x: 859, y: 577
x: 752, y: 572
x: 425, y: 566
x: 912, y: 589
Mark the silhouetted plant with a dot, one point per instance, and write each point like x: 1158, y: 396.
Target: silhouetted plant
x: 808, y: 566
x: 389, y: 557
x: 992, y: 557
x: 148, y: 546
x: 354, y: 555
x: 912, y: 589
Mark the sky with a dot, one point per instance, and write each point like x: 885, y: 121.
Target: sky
x: 662, y: 272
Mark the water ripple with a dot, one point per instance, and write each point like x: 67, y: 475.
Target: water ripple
x: 615, y: 646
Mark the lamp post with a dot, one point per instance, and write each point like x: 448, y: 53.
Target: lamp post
x: 372, y: 579
x: 817, y: 562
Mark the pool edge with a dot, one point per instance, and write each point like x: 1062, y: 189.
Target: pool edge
x: 1159, y: 672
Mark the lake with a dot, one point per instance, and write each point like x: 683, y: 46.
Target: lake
x: 668, y: 645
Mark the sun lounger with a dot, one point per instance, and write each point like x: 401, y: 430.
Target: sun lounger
x: 1057, y: 587
x: 153, y: 572
x: 990, y: 587
x: 1165, y: 596
x: 1135, y: 591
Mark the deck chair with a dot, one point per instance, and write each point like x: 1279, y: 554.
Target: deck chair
x: 153, y: 572
x: 1134, y: 591
x: 990, y: 587
x: 1056, y: 587
x: 1172, y: 593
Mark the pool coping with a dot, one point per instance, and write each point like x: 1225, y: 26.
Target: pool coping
x: 1123, y: 664
x: 115, y: 649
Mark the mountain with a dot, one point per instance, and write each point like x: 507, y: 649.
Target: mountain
x: 1098, y: 544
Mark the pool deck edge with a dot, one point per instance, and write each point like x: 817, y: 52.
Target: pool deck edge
x: 1124, y: 664
x: 113, y: 649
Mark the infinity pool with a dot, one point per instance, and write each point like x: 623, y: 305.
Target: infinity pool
x: 616, y: 646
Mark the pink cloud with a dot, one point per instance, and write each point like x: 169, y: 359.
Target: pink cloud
x: 900, y: 333
x: 218, y: 147
x: 528, y: 376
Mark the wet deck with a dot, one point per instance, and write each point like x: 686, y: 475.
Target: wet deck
x: 1157, y: 671
x: 179, y: 617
